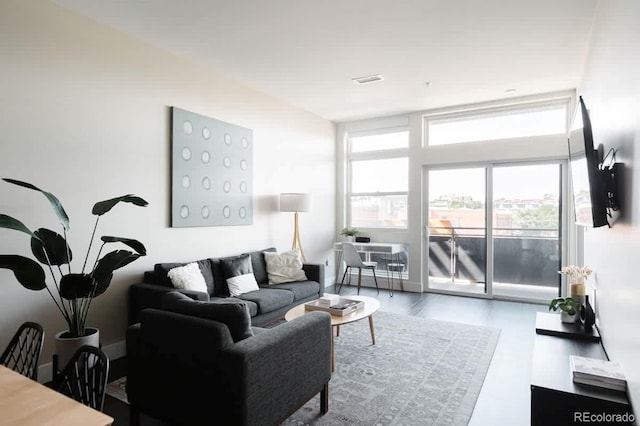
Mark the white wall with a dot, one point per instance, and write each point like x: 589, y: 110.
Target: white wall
x: 611, y: 90
x: 84, y: 113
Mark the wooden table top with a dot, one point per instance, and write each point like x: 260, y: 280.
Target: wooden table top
x: 26, y: 402
x: 371, y: 305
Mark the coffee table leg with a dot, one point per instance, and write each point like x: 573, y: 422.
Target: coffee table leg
x: 333, y: 362
x: 373, y: 336
x: 337, y: 331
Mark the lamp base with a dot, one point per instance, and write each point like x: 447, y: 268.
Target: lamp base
x: 296, y: 237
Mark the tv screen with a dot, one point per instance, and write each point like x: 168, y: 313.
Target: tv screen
x: 589, y: 192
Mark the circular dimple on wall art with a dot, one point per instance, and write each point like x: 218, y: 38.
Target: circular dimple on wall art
x: 205, y: 212
x: 184, y: 212
x: 226, y: 212
x: 187, y: 127
x: 186, y: 153
x: 206, y: 133
x: 227, y: 162
x: 242, y: 212
x: 227, y: 139
x: 206, y: 183
x: 186, y: 181
x: 244, y: 143
x: 243, y: 164
x: 205, y: 157
x: 226, y: 186
x: 243, y: 187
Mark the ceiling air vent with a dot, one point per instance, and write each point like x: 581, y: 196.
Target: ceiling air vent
x: 368, y: 79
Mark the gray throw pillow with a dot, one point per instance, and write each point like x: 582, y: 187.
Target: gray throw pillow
x: 161, y: 271
x: 238, y: 273
x: 235, y: 315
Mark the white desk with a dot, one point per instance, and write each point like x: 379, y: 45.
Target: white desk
x: 390, y: 250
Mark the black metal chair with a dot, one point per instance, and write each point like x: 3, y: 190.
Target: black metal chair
x: 23, y: 351
x: 84, y: 378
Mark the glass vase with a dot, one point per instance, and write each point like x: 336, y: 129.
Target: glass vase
x: 577, y: 289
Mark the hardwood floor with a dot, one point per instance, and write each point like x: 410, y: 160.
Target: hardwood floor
x: 504, y: 398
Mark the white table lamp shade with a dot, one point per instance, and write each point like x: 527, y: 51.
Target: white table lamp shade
x: 295, y: 202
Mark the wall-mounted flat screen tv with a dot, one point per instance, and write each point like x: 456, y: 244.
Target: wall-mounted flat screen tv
x: 589, y: 190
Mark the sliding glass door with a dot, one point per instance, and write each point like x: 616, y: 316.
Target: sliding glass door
x: 495, y: 230
x: 526, y: 231
x: 457, y: 234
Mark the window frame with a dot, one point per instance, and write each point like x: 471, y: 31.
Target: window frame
x: 380, y: 154
x: 492, y: 110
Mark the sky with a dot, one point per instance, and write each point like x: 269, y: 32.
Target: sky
x: 522, y: 182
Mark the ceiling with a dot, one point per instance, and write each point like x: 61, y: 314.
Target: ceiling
x: 431, y: 53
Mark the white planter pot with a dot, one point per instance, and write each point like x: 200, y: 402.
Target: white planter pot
x: 566, y: 318
x: 65, y: 347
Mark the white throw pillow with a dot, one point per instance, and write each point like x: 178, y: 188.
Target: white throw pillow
x: 242, y: 284
x: 188, y: 277
x: 284, y: 267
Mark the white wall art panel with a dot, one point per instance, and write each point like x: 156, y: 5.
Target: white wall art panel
x: 212, y: 166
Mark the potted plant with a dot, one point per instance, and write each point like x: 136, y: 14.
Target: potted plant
x: 577, y: 275
x: 349, y: 233
x: 567, y: 306
x: 71, y: 291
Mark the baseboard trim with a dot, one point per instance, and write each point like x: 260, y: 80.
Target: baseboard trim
x: 113, y: 351
x: 367, y: 281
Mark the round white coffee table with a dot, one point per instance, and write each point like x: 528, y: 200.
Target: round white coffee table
x: 371, y: 305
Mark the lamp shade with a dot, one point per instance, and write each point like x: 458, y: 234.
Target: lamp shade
x: 295, y: 202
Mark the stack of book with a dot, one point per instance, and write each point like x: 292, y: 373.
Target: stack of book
x: 598, y: 372
x: 328, y: 299
x: 340, y: 307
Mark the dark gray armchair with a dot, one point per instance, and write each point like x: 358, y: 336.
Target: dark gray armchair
x: 187, y: 369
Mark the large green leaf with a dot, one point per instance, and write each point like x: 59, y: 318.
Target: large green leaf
x: 9, y: 222
x: 103, y: 272
x: 27, y: 271
x: 57, y: 250
x: 134, y: 244
x: 102, y: 207
x: 55, y: 203
x: 74, y: 286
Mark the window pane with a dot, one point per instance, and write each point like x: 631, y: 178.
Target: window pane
x: 457, y: 230
x: 532, y: 209
x: 538, y: 121
x: 380, y: 142
x: 379, y: 211
x: 526, y: 233
x: 387, y: 175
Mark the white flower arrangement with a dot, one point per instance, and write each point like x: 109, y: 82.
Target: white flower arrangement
x: 574, y: 272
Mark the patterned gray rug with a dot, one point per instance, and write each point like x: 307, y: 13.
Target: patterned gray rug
x: 419, y: 372
x: 117, y: 389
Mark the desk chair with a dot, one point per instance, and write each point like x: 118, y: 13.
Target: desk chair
x: 23, y: 352
x: 353, y: 260
x: 84, y: 378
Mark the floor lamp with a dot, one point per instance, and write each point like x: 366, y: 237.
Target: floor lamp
x: 297, y: 203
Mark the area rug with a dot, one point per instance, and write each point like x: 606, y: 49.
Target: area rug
x: 419, y: 372
x: 117, y: 389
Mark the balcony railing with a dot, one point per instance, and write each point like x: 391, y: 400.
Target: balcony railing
x: 524, y: 256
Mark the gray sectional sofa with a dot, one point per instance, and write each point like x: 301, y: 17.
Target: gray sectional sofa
x: 267, y: 304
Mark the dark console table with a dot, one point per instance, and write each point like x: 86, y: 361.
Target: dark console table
x: 555, y: 398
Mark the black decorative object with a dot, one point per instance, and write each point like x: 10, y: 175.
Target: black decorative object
x: 363, y: 239
x: 587, y: 315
